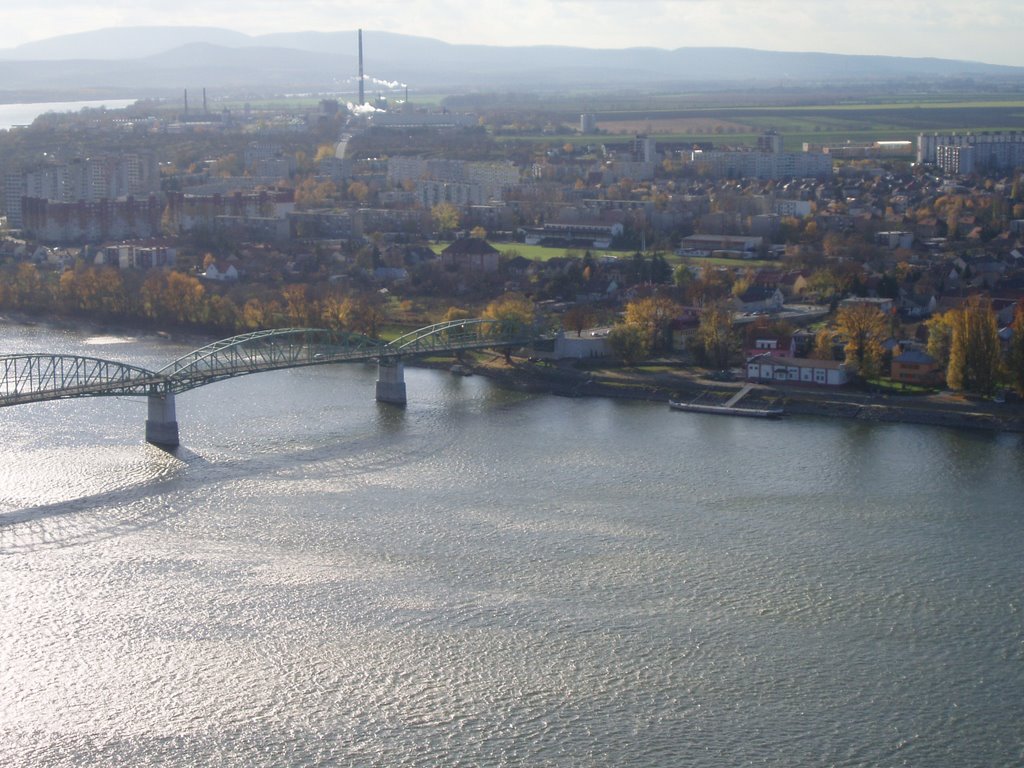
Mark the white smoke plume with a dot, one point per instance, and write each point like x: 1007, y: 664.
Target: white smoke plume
x: 362, y: 109
x: 391, y: 84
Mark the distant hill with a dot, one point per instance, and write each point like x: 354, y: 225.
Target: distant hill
x: 145, y: 59
x: 119, y: 43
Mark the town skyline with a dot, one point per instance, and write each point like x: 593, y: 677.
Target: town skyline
x: 984, y: 32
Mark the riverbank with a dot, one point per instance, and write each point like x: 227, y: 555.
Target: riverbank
x: 668, y: 381
x: 687, y: 384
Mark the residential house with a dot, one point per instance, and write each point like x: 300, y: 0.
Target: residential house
x: 768, y: 278
x: 472, y: 254
x: 917, y: 368
x: 893, y: 240
x: 221, y: 271
x: 775, y: 346
x: 759, y: 299
x: 794, y: 283
x: 913, y: 304
x: 884, y: 305
x: 520, y: 266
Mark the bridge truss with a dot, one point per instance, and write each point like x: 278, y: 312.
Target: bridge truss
x: 32, y: 378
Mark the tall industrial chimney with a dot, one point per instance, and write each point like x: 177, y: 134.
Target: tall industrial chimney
x: 362, y: 94
x: 186, y: 101
x: 204, y: 100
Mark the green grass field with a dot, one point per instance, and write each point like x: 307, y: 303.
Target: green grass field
x: 539, y: 252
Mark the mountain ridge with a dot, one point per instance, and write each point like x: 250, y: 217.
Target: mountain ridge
x: 163, y: 57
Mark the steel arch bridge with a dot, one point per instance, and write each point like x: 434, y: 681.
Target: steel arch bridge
x: 30, y: 378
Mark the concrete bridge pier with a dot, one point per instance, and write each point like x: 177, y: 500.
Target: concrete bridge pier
x: 391, y: 382
x: 162, y: 424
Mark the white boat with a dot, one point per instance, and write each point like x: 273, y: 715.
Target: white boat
x: 726, y: 410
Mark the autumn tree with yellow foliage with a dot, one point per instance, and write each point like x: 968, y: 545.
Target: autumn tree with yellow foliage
x: 654, y: 316
x: 974, y: 352
x: 864, y: 328
x: 1015, y: 358
x: 512, y: 311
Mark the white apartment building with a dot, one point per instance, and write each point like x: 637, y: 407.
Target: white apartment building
x: 764, y: 165
x: 964, y: 153
x: 459, y: 182
x: 89, y: 180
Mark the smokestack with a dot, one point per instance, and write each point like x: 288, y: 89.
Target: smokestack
x: 204, y: 99
x: 362, y: 94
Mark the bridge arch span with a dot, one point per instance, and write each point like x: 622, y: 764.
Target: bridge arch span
x: 453, y: 335
x: 267, y: 351
x: 37, y: 377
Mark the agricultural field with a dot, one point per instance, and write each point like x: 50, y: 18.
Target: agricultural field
x: 826, y: 123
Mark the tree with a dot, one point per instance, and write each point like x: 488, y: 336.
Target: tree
x: 445, y: 216
x: 863, y: 327
x: 300, y: 310
x: 713, y: 285
x: 358, y: 191
x: 222, y: 314
x: 511, y: 308
x: 823, y: 343
x: 169, y: 296
x: 362, y: 313
x: 456, y: 313
x: 715, y: 339
x: 26, y: 290
x: 227, y: 166
x: 1015, y: 358
x: 94, y: 290
x: 478, y: 232
x: 324, y: 152
x: 654, y: 315
x: 682, y: 277
x: 513, y: 311
x: 629, y: 343
x: 940, y: 337
x: 578, y: 317
x: 974, y: 353
x: 313, y: 194
x: 661, y: 271
x: 255, y: 315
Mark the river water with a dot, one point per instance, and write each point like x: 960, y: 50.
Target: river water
x: 12, y: 115
x: 488, y: 578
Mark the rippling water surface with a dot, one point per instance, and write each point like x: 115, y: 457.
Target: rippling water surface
x: 488, y: 578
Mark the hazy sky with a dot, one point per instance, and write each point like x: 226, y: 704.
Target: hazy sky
x: 978, y: 30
